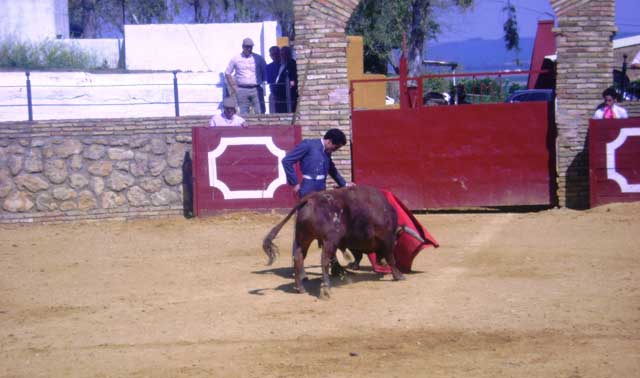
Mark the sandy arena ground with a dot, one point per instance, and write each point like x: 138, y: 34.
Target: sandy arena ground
x: 547, y: 294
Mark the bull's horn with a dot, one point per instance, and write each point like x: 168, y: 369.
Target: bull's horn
x: 344, y: 257
x: 413, y: 233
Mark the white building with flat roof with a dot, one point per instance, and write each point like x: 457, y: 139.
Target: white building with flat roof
x: 34, y: 19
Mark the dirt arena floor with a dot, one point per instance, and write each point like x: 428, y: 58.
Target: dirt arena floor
x: 554, y: 293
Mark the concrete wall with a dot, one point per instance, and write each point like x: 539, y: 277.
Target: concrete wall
x: 106, y: 50
x: 64, y: 95
x: 34, y: 19
x: 58, y: 171
x: 194, y: 47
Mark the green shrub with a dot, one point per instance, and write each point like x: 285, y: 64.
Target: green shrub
x: 45, y: 54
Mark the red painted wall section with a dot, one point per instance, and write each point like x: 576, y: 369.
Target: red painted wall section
x: 236, y: 168
x: 457, y: 156
x: 614, y: 161
x: 545, y: 44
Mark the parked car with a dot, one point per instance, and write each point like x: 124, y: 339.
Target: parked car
x: 526, y: 95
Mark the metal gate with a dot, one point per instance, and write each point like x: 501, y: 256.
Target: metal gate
x: 458, y: 156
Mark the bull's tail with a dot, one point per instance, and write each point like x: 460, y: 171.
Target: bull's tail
x: 270, y: 249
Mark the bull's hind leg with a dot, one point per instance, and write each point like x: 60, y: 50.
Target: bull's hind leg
x: 299, y: 254
x: 328, y: 255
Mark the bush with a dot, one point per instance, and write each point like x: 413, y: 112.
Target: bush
x: 45, y: 54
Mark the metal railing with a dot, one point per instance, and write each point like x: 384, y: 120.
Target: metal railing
x: 30, y: 104
x: 472, y: 87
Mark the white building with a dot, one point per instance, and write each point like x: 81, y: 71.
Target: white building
x: 34, y: 19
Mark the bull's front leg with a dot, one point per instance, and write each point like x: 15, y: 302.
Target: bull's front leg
x: 328, y: 255
x: 391, y: 260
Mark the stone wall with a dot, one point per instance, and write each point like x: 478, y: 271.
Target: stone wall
x: 54, y: 171
x: 584, y: 65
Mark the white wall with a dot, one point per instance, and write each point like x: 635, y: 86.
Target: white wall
x: 34, y: 19
x: 194, y: 47
x: 73, y: 95
x: 201, y: 52
x: 104, y: 49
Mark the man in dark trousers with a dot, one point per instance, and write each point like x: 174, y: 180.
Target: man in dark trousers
x: 287, y: 82
x: 314, y: 156
x: 272, y: 71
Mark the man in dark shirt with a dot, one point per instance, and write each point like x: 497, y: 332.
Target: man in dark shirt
x: 271, y: 74
x: 287, y: 82
x: 314, y: 156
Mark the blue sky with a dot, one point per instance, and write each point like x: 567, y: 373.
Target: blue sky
x: 485, y: 19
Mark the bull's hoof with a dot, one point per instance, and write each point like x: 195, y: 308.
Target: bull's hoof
x: 325, y: 293
x: 354, y: 266
x: 399, y: 277
x: 337, y: 270
x: 301, y: 289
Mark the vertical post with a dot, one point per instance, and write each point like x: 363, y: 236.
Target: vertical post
x: 287, y: 91
x: 176, y: 101
x: 419, y: 96
x: 351, y: 89
x: 404, y: 91
x: 29, y: 102
x: 622, y: 79
x: 124, y: 45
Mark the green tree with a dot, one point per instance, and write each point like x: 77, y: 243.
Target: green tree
x: 83, y: 18
x: 204, y: 11
x: 383, y: 23
x: 510, y: 27
x: 90, y: 18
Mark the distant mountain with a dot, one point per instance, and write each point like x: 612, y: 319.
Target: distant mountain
x: 478, y: 54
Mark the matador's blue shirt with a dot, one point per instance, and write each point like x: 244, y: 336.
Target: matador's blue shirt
x: 314, y: 162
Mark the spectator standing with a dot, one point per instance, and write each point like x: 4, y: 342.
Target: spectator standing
x: 228, y: 116
x: 272, y: 71
x: 609, y: 109
x: 287, y: 82
x: 248, y: 69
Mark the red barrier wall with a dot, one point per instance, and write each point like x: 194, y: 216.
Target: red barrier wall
x: 236, y: 168
x: 457, y: 156
x: 614, y: 160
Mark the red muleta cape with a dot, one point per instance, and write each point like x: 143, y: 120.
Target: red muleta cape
x: 407, y: 246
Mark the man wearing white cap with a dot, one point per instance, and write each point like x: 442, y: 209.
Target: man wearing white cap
x: 249, y: 74
x: 228, y: 116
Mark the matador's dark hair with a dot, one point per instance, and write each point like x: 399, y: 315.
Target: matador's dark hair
x: 336, y: 136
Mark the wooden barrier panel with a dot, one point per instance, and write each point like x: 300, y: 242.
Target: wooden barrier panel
x: 240, y: 168
x: 458, y: 156
x: 614, y: 160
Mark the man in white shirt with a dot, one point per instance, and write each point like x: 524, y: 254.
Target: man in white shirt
x: 228, y: 116
x: 249, y: 74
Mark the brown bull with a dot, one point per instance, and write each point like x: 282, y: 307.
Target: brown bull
x: 358, y: 218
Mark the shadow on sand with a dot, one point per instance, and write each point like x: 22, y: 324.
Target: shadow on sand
x: 314, y: 281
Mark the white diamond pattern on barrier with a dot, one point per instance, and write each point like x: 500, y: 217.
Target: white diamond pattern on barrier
x: 612, y: 173
x: 227, y: 193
